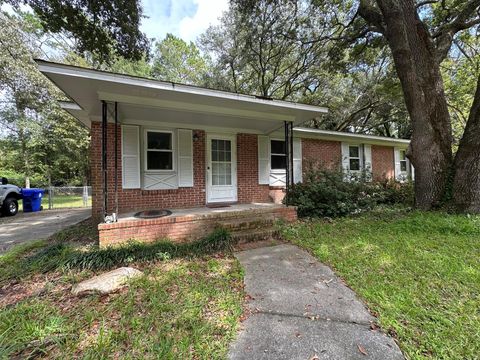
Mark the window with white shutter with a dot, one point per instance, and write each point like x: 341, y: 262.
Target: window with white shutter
x: 263, y: 160
x: 130, y: 157
x: 185, y: 158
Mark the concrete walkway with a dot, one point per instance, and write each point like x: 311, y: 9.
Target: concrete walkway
x: 26, y: 227
x: 301, y: 310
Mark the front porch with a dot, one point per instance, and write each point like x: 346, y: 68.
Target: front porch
x: 246, y: 222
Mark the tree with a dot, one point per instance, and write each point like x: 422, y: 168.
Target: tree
x: 420, y: 36
x: 38, y: 139
x: 260, y: 53
x: 419, y: 44
x: 97, y: 26
x: 175, y: 60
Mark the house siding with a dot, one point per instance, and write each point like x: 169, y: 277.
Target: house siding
x: 321, y: 154
x: 139, y: 199
x: 383, y: 165
x: 249, y: 190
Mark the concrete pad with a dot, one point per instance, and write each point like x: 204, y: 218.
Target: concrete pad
x: 25, y: 227
x: 289, y: 288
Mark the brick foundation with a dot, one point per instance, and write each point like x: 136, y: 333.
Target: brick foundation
x: 182, y: 228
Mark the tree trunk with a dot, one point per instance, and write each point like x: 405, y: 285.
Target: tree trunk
x: 414, y: 56
x: 466, y: 183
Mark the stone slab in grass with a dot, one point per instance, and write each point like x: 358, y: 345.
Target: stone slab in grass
x: 106, y: 282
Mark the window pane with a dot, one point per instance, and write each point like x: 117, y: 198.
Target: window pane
x: 159, y: 160
x: 354, y: 164
x: 228, y: 145
x: 279, y: 162
x: 402, y: 155
x: 278, y: 147
x: 354, y: 151
x: 403, y: 165
x: 215, y: 180
x: 160, y: 141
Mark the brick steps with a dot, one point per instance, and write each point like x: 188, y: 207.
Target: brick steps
x: 245, y: 225
x: 253, y: 235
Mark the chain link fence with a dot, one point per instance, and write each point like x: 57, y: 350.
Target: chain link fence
x: 57, y: 197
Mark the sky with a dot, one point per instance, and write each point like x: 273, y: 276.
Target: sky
x: 186, y: 19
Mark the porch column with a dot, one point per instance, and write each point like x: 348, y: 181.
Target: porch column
x: 288, y: 125
x: 104, y: 159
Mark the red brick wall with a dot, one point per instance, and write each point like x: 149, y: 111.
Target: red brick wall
x: 138, y: 199
x: 321, y: 153
x: 383, y: 163
x: 247, y: 171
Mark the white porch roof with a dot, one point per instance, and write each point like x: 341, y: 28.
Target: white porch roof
x: 146, y: 101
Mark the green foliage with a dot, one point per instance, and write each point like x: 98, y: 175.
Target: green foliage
x: 418, y: 271
x: 97, y: 26
x: 175, y: 60
x: 325, y: 193
x: 184, y: 308
x: 62, y: 255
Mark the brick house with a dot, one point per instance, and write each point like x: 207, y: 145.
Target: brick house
x: 160, y: 145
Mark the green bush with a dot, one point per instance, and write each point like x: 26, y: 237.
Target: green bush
x: 324, y: 193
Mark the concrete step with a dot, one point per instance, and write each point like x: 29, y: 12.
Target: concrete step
x: 246, y: 236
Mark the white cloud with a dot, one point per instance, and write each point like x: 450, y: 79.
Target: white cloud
x: 208, y: 13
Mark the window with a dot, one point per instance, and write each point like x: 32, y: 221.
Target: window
x: 403, y: 161
x: 278, y: 155
x: 354, y: 157
x: 159, y: 150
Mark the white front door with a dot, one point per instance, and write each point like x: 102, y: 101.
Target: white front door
x: 221, y: 168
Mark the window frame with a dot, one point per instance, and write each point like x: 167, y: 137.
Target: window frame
x: 359, y: 157
x: 400, y: 151
x: 146, y: 150
x: 277, y: 154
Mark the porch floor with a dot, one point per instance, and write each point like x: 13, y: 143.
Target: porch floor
x: 205, y: 211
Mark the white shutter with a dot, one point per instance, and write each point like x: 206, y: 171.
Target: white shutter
x: 345, y: 160
x: 185, y: 158
x: 367, y: 152
x: 412, y: 171
x: 263, y: 160
x: 297, y: 160
x: 398, y: 172
x: 130, y: 157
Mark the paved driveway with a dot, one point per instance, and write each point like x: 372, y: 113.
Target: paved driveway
x: 26, y: 227
x: 301, y: 310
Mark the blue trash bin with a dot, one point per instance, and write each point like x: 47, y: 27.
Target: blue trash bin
x: 32, y: 199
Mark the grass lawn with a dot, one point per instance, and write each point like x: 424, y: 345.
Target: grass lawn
x: 418, y: 272
x: 62, y: 201
x: 183, y: 307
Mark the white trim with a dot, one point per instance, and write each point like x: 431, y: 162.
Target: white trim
x: 62, y: 69
x: 349, y: 137
x: 145, y: 150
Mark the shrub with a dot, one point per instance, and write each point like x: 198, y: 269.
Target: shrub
x: 324, y: 193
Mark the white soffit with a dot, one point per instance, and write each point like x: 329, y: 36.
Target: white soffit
x: 168, y: 102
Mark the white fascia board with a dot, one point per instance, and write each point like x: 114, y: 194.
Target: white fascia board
x: 342, y: 136
x: 68, y: 105
x: 61, y: 69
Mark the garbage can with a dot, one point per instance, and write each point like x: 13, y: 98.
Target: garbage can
x: 32, y: 199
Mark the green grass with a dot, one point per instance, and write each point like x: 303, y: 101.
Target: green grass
x: 419, y: 272
x: 62, y: 201
x: 187, y: 305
